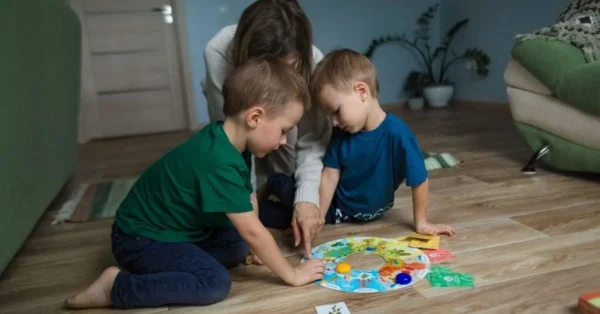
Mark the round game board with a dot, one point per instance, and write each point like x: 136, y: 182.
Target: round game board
x: 398, y: 256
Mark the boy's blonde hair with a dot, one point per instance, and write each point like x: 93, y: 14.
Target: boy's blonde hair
x: 267, y: 82
x: 341, y: 69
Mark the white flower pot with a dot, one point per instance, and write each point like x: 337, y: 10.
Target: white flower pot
x: 438, y: 96
x: 416, y: 103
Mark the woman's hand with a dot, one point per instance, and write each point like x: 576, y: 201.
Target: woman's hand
x: 306, y: 223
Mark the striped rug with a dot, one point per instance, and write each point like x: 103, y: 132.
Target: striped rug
x: 94, y: 201
x: 101, y: 200
x: 435, y: 161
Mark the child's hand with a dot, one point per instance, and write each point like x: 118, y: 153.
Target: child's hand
x: 256, y: 260
x: 435, y: 229
x: 253, y: 259
x: 307, y: 272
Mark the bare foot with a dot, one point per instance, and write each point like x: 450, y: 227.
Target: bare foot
x: 98, y: 293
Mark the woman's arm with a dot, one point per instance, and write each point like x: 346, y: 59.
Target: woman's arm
x: 314, y: 130
x: 217, y: 68
x: 329, y: 181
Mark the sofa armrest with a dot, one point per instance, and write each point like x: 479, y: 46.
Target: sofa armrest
x: 548, y: 60
x: 580, y: 87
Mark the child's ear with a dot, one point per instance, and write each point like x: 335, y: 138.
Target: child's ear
x: 254, y: 116
x: 362, y: 90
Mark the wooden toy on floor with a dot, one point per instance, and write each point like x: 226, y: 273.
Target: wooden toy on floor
x: 589, y: 303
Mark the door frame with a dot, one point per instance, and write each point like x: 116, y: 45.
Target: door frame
x: 88, y: 127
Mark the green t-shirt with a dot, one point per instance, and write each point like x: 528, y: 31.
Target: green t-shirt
x: 186, y: 193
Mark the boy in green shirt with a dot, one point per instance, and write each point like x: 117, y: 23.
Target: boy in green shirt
x: 193, y: 214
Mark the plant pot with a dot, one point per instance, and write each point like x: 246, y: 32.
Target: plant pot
x: 438, y: 96
x: 416, y: 103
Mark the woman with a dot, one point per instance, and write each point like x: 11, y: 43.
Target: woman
x: 276, y: 28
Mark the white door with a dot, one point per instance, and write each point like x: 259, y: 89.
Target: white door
x: 131, y: 72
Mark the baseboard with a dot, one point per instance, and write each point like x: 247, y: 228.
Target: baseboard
x: 461, y: 104
x: 480, y: 104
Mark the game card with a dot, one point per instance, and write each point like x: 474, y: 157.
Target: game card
x: 439, y: 270
x: 415, y: 235
x: 439, y: 255
x: 432, y: 244
x: 450, y: 280
x: 337, y: 308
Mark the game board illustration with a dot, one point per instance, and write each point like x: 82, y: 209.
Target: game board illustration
x: 403, y: 265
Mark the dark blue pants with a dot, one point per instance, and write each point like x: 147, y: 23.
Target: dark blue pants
x: 158, y: 273
x: 278, y: 215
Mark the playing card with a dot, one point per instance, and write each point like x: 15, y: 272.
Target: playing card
x: 337, y: 308
x: 415, y: 235
x: 439, y: 255
x: 401, y: 239
x: 439, y: 270
x: 450, y: 280
x: 432, y: 244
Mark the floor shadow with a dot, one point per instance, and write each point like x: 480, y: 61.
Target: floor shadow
x: 573, y: 309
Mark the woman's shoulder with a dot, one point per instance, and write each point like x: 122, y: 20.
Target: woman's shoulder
x: 219, y: 43
x: 317, y: 54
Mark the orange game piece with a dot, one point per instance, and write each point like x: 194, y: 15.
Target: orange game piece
x: 343, y: 268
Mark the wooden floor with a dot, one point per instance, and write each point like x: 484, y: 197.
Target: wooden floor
x: 531, y: 242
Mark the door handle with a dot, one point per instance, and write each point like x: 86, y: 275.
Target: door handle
x: 165, y: 9
x: 167, y: 12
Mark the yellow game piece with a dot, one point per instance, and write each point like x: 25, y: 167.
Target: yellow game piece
x: 432, y: 244
x: 343, y: 268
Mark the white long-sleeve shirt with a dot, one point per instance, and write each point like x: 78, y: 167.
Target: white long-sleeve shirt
x: 314, y: 129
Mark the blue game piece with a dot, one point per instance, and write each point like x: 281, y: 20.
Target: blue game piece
x: 403, y: 279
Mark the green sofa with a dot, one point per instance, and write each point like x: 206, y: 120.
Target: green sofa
x: 39, y: 100
x: 554, y: 97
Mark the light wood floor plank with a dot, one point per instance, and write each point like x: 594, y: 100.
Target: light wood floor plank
x: 550, y: 293
x: 523, y: 259
x: 537, y: 263
x: 559, y: 221
x: 297, y: 300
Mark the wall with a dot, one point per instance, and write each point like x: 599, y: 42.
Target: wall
x: 342, y: 23
x: 492, y: 27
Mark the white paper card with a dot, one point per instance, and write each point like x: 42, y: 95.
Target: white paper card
x: 337, y: 308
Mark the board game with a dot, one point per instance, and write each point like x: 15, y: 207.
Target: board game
x: 403, y: 265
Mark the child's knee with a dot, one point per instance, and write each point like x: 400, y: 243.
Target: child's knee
x: 240, y: 253
x: 220, y: 288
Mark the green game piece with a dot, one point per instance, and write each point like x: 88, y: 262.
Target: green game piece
x: 451, y: 280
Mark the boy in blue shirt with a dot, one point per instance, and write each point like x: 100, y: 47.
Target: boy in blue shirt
x: 370, y: 152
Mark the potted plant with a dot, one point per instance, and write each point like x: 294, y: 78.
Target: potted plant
x: 413, y: 87
x: 439, y: 89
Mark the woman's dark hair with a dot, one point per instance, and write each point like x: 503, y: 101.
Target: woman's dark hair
x: 273, y: 28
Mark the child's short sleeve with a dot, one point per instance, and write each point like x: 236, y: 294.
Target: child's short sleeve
x: 332, y: 154
x: 414, y: 164
x: 225, y: 190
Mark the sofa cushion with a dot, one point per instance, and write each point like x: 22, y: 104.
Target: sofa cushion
x: 547, y: 60
x: 554, y: 116
x: 517, y: 76
x: 580, y: 88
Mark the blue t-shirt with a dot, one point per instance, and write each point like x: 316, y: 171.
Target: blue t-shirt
x: 372, y: 166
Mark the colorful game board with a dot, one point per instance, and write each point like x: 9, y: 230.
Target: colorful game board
x: 411, y: 263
